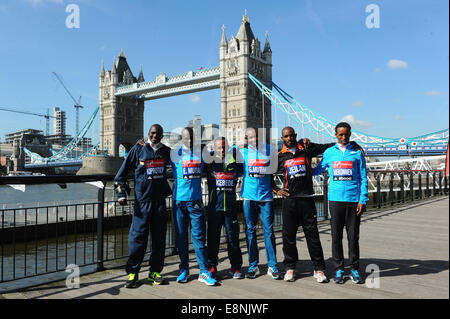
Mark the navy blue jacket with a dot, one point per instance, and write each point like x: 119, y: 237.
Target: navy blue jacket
x: 222, y: 177
x: 149, y: 173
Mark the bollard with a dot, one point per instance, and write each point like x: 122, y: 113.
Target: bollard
x: 427, y: 185
x: 100, y: 235
x: 445, y: 185
x: 411, y: 187
x: 325, y: 196
x: 419, y: 195
x: 391, y: 189
x: 402, y: 188
x: 378, y: 191
x: 434, y: 183
x: 440, y: 183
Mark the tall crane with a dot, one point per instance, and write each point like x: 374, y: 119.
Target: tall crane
x: 77, y: 103
x: 47, y: 116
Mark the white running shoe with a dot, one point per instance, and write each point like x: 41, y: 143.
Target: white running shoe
x: 289, y: 275
x: 320, y: 276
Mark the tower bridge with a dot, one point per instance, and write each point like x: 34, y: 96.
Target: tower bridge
x: 122, y: 95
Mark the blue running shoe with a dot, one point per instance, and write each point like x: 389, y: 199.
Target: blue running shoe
x: 205, y: 277
x: 236, y: 274
x: 339, y: 277
x: 355, y: 277
x: 184, y: 276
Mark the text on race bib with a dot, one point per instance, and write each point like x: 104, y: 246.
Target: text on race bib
x: 343, y: 171
x: 295, y: 167
x: 225, y: 181
x: 155, y: 168
x: 191, y: 169
x: 257, y: 167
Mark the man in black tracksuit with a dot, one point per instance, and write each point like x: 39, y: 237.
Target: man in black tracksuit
x: 149, y: 213
x: 298, y: 208
x: 222, y: 173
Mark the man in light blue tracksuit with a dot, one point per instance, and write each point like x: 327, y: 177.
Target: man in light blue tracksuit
x: 188, y: 207
x: 259, y: 163
x: 347, y: 196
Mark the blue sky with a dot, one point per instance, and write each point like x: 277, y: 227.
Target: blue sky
x: 390, y: 81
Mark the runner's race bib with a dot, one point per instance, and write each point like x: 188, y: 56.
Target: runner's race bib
x: 343, y: 171
x: 257, y: 167
x: 295, y: 167
x: 191, y: 169
x: 155, y: 168
x: 225, y: 181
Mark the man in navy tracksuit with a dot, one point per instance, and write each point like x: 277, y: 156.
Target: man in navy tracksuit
x: 347, y: 196
x: 222, y: 174
x: 149, y: 211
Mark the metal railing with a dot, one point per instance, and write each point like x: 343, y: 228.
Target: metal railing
x: 39, y: 240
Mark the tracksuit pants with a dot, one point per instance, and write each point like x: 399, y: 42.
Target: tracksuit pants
x: 301, y: 211
x: 190, y: 213
x: 216, y: 219
x: 265, y: 210
x: 344, y: 214
x: 148, y: 216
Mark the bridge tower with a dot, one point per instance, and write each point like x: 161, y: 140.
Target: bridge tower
x: 241, y: 102
x: 121, y: 118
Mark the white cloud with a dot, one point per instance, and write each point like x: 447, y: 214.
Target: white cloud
x: 433, y: 93
x: 398, y: 117
x: 195, y: 98
x: 397, y: 64
x: 354, y: 123
x: 39, y: 2
x: 357, y: 103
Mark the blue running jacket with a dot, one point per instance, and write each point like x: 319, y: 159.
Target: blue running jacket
x: 348, y: 176
x: 187, y: 173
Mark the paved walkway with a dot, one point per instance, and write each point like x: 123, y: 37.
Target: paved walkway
x: 409, y: 245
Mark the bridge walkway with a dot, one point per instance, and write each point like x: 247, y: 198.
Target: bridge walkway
x: 410, y: 245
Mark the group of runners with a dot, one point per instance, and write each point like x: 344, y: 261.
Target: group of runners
x: 257, y: 163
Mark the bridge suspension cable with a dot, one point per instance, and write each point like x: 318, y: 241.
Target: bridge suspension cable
x: 325, y: 126
x: 63, y: 154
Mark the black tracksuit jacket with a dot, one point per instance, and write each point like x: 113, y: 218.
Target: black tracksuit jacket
x: 296, y: 168
x: 222, y: 177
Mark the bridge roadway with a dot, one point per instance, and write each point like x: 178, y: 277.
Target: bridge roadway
x: 409, y: 244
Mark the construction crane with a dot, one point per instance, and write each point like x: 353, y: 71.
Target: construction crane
x: 47, y: 116
x: 77, y: 103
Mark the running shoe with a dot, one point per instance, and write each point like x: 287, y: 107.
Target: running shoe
x: 184, y: 276
x: 206, y: 278
x: 273, y: 271
x: 132, y: 280
x: 320, y: 276
x: 253, y: 272
x: 339, y: 277
x: 155, y: 278
x: 237, y: 274
x: 355, y: 277
x: 289, y: 275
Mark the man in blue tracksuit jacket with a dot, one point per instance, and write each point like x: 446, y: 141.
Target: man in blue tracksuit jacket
x: 188, y: 207
x: 222, y: 173
x: 347, y: 196
x: 259, y: 163
x: 149, y: 211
